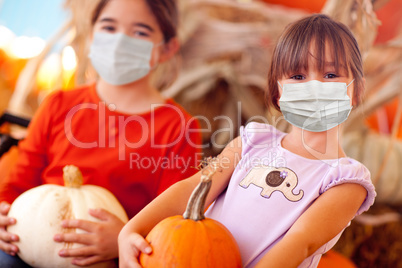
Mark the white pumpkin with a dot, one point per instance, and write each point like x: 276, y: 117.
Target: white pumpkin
x: 40, y: 210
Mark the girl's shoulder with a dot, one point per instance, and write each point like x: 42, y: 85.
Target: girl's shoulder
x: 81, y: 94
x: 348, y: 170
x: 173, y: 109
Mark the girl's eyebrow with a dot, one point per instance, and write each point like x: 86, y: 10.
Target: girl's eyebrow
x: 143, y: 25
x: 107, y: 20
x: 139, y: 24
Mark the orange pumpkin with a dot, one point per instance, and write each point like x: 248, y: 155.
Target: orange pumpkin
x: 192, y: 240
x: 332, y: 259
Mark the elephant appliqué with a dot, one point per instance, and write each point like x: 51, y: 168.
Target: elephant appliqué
x: 272, y: 179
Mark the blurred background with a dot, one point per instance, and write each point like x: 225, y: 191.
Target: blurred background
x: 225, y: 53
x: 33, y: 18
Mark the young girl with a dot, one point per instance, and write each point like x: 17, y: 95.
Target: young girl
x: 286, y: 198
x: 120, y: 132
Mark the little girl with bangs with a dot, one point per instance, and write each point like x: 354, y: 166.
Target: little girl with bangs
x: 285, y: 197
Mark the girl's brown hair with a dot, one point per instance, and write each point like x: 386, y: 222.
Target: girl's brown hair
x: 292, y: 52
x: 165, y: 12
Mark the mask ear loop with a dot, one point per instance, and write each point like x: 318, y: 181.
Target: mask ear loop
x: 347, y: 87
x: 348, y: 84
x: 157, y: 45
x: 281, y: 86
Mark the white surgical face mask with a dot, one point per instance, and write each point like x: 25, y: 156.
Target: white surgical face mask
x: 315, y: 106
x: 120, y: 59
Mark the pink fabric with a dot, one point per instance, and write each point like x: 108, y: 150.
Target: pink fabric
x: 259, y: 209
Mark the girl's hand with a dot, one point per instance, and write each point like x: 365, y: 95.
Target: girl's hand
x: 130, y: 247
x: 5, y: 237
x: 99, y: 242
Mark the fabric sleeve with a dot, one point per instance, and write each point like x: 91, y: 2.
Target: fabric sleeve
x: 32, y: 154
x: 187, y: 156
x: 352, y: 172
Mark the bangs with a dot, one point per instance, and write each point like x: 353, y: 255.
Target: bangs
x: 297, y: 43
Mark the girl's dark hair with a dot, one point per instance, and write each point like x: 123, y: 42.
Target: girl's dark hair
x: 291, y: 53
x: 165, y: 12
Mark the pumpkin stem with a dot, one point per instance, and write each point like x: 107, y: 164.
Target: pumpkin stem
x: 72, y: 177
x: 196, y: 203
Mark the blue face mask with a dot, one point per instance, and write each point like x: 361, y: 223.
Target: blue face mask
x: 315, y: 106
x: 120, y: 59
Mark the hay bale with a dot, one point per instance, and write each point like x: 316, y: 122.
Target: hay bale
x: 375, y: 238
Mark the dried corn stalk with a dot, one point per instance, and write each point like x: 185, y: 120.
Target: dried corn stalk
x: 382, y: 154
x: 359, y: 16
x: 81, y: 11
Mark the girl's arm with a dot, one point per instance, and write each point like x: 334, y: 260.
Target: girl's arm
x: 26, y: 173
x: 321, y: 222
x: 173, y: 202
x: 32, y: 154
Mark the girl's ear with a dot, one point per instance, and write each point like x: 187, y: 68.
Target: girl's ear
x: 169, y: 49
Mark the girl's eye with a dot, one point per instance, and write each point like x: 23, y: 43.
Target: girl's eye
x: 330, y: 75
x: 108, y: 28
x: 297, y: 77
x: 141, y: 34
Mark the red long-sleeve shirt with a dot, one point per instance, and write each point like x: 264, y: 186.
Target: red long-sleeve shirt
x: 136, y: 157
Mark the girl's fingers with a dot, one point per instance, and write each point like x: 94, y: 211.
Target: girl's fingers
x: 140, y: 244
x: 4, y: 208
x: 4, y: 221
x: 8, y: 248
x: 88, y: 226
x: 101, y: 214
x: 86, y: 261
x: 7, y: 237
x: 79, y: 252
x: 85, y: 239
